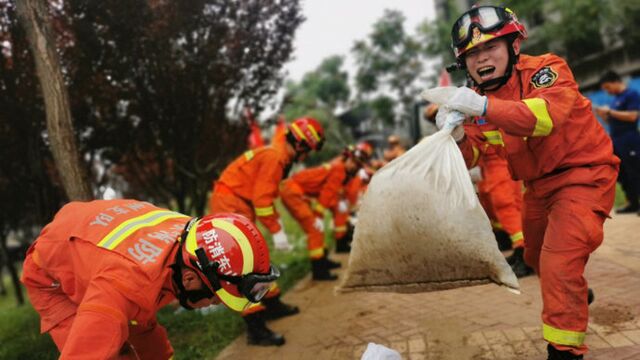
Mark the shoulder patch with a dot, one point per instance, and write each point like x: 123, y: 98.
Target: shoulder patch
x: 544, y: 77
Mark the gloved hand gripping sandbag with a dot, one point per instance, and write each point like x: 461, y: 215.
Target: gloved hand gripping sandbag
x: 421, y: 227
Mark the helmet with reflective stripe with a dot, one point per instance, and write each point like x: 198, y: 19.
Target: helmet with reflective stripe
x: 306, y: 132
x: 365, y: 148
x: 222, y: 248
x: 357, y: 153
x: 484, y: 23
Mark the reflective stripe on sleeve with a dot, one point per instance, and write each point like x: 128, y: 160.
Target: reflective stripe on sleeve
x: 265, y: 211
x: 517, y: 237
x: 319, y: 208
x: 476, y: 155
x: 249, y: 155
x: 544, y: 124
x: 494, y: 137
x: 562, y: 337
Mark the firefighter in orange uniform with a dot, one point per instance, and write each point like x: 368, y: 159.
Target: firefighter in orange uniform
x: 349, y: 196
x: 321, y: 184
x: 100, y: 271
x: 249, y: 186
x: 529, y: 109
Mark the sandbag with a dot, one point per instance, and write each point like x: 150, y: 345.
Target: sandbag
x: 421, y: 227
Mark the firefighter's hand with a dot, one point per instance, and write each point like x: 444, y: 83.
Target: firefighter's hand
x: 319, y: 224
x: 451, y: 119
x: 468, y: 102
x: 343, y: 206
x: 281, y: 242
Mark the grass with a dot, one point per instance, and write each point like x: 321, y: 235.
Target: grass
x: 193, y: 334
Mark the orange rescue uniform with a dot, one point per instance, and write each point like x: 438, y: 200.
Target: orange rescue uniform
x: 501, y: 196
x: 546, y: 130
x: 249, y: 185
x: 98, y: 274
x: 323, y: 184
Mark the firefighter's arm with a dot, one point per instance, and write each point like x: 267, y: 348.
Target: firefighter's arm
x: 100, y: 328
x: 472, y: 145
x: 265, y: 192
x: 329, y: 194
x: 544, y: 109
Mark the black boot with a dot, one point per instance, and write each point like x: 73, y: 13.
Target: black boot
x: 519, y: 267
x: 320, y: 271
x: 342, y: 245
x: 259, y: 334
x: 555, y: 354
x: 277, y: 309
x: 517, y: 253
x: 590, y: 296
x: 503, y: 239
x: 630, y: 208
x: 330, y: 263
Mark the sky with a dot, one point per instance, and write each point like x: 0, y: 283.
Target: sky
x: 332, y: 26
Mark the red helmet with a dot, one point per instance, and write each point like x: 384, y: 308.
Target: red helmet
x: 230, y: 255
x: 481, y: 24
x: 306, y: 132
x: 365, y: 149
x: 356, y: 153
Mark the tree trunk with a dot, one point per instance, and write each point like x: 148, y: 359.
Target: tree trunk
x: 35, y: 18
x: 11, y: 266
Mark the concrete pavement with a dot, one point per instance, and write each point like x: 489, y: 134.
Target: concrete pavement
x: 481, y: 322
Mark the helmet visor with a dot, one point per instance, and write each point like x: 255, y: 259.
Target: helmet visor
x: 484, y: 18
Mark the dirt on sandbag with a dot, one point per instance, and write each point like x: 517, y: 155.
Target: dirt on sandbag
x: 421, y: 227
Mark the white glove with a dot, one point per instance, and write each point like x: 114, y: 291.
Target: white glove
x: 468, y: 102
x: 343, y: 207
x: 362, y: 173
x: 439, y: 95
x: 451, y: 119
x: 281, y: 242
x: 319, y: 224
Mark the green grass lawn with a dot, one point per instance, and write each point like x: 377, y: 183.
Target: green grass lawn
x: 192, y: 333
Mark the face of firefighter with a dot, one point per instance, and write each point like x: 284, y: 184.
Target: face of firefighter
x: 489, y: 60
x: 351, y: 166
x: 192, y: 282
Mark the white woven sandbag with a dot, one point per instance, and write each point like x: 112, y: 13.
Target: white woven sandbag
x: 421, y: 227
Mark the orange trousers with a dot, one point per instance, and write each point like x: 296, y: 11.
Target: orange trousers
x: 340, y: 220
x: 226, y: 201
x: 299, y: 206
x: 501, y: 198
x: 561, y: 230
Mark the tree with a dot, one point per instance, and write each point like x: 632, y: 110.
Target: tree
x: 318, y: 95
x: 35, y: 18
x: 389, y: 62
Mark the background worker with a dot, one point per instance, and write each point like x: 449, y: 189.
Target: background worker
x: 100, y: 271
x: 622, y: 118
x: 349, y: 197
x: 249, y: 186
x: 394, y: 148
x: 321, y: 186
x: 529, y: 109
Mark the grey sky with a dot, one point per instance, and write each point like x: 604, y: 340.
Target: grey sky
x: 333, y: 25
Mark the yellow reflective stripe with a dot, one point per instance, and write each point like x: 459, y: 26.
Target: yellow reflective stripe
x: 249, y: 155
x: 496, y: 225
x: 297, y: 130
x: 241, y: 239
x: 235, y: 303
x: 319, y: 208
x: 133, y: 322
x: 517, y: 236
x: 316, y: 253
x: 562, y: 337
x: 544, y: 124
x: 476, y: 155
x: 124, y: 230
x: 327, y: 166
x: 341, y: 228
x: 494, y: 137
x: 314, y: 132
x: 265, y: 211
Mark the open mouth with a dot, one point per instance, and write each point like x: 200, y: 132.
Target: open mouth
x: 486, y: 72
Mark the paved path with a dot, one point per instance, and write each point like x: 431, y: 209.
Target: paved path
x: 481, y: 322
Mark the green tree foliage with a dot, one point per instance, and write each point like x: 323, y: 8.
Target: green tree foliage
x: 318, y: 95
x: 388, y: 62
x: 154, y: 86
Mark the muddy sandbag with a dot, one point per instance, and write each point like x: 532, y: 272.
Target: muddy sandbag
x: 421, y: 227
